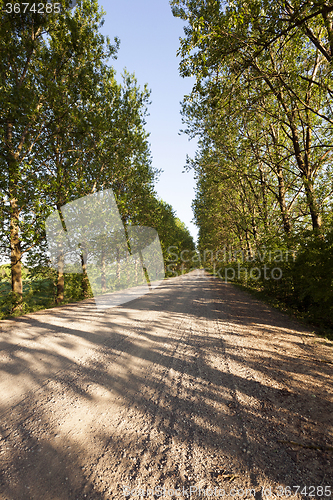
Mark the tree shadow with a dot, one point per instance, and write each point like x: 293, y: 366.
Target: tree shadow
x: 162, y: 390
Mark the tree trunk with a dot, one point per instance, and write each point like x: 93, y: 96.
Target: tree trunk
x: 145, y: 270
x: 15, y: 243
x: 16, y: 254
x: 117, y: 269
x: 60, y: 277
x: 312, y: 204
x: 103, y: 270
x: 305, y: 168
x: 248, y: 245
x: 303, y: 163
x: 61, y: 257
x: 282, y: 201
x: 85, y: 280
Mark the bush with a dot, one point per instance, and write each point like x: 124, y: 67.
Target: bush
x: 306, y: 282
x: 312, y: 275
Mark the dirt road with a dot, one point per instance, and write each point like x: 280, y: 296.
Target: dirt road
x: 195, y: 390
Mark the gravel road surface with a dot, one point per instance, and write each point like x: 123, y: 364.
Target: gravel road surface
x: 195, y: 390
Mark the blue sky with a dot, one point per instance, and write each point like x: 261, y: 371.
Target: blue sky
x: 149, y: 39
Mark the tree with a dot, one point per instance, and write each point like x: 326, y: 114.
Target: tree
x: 41, y: 55
x: 278, y: 82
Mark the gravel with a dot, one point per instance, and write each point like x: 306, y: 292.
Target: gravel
x: 195, y: 387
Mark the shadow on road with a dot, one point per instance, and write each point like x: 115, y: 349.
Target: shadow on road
x: 197, y: 368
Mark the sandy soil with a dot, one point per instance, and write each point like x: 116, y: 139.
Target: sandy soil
x: 193, y: 391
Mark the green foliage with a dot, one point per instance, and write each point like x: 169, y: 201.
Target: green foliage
x: 173, y: 234
x: 303, y: 279
x: 38, y: 294
x: 312, y: 276
x: 73, y: 288
x: 261, y: 108
x: 68, y: 128
x: 4, y: 273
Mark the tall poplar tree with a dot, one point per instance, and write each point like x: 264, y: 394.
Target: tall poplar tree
x: 41, y: 54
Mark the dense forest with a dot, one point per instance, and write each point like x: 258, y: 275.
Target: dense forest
x: 261, y: 109
x: 68, y: 129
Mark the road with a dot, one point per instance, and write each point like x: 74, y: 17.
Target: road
x: 193, y: 390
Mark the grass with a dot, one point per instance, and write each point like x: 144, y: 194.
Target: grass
x: 301, y: 316
x: 37, y: 295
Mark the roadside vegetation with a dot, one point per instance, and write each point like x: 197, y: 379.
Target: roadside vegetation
x: 68, y: 128
x: 261, y: 109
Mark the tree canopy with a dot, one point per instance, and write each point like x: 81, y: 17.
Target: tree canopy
x: 68, y: 128
x: 261, y: 108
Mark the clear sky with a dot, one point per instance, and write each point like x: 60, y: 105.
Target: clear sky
x: 149, y: 39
